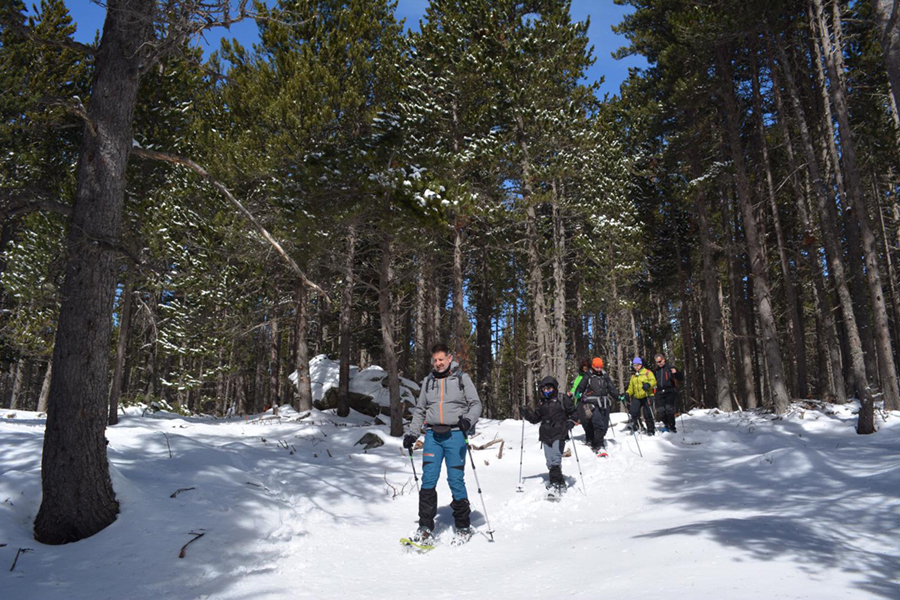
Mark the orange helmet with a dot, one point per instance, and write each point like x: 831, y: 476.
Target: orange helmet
x: 597, y: 364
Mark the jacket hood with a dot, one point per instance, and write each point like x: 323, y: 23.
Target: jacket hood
x: 548, y: 380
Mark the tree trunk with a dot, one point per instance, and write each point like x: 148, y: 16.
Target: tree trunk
x: 121, y: 348
x: 460, y: 340
x: 740, y: 328
x: 761, y: 292
x: 346, y: 320
x: 274, y: 351
x: 795, y: 332
x: 716, y: 331
x: 830, y: 238
x: 45, y: 389
x: 386, y: 310
x: 559, y: 296
x: 18, y: 387
x: 484, y: 312
x: 886, y: 19
x: 539, y: 305
x: 883, y: 347
x: 834, y: 385
x: 304, y: 385
x: 78, y: 498
x: 854, y: 263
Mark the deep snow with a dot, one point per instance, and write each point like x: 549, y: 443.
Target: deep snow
x: 740, y: 506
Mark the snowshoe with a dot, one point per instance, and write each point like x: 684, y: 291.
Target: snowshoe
x: 422, y: 541
x: 412, y: 546
x: 462, y: 535
x: 555, y: 493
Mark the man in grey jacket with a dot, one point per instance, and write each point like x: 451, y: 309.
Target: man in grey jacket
x: 448, y: 407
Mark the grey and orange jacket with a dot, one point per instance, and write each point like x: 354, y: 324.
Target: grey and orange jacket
x: 444, y: 398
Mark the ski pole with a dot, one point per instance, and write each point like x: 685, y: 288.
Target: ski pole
x: 413, y: 463
x: 521, y: 486
x: 634, y: 433
x: 609, y: 416
x: 578, y: 462
x: 478, y: 484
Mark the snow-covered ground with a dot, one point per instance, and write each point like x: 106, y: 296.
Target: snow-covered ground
x: 739, y: 506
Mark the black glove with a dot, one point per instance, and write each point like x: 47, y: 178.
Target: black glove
x: 464, y: 425
x: 570, y: 424
x: 409, y: 440
x: 647, y: 387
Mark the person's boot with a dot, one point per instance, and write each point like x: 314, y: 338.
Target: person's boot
x: 423, y: 535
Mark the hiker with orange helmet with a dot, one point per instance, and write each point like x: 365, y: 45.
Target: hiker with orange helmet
x: 597, y: 392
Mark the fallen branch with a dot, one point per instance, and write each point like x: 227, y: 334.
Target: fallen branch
x: 183, y: 548
x: 167, y: 444
x: 489, y: 444
x: 179, y: 490
x: 18, y: 553
x: 186, y: 162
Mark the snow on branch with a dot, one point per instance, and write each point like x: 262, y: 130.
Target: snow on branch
x: 186, y: 162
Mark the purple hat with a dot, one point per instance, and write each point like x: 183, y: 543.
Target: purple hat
x: 637, y: 361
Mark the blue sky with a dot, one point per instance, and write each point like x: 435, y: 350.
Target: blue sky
x: 603, y: 13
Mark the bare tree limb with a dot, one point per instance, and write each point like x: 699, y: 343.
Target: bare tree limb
x: 186, y: 162
x: 184, y: 548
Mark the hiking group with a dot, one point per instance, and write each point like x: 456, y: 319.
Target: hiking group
x: 448, y: 407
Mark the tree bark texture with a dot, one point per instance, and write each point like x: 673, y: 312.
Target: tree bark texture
x: 386, y: 311
x: 78, y: 498
x: 304, y: 385
x: 346, y: 320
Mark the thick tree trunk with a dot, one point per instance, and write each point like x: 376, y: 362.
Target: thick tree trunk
x: 386, y: 310
x: 304, y: 385
x: 78, y: 498
x: 830, y: 238
x: 795, y: 331
x: 121, y: 348
x: 883, y: 346
x: 761, y: 292
x: 716, y: 331
x: 346, y: 320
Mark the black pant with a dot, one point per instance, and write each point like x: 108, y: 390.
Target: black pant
x: 596, y: 426
x: 665, y: 408
x: 636, y: 406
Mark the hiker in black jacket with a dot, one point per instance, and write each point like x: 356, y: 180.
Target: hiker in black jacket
x: 667, y: 378
x: 597, y: 392
x: 556, y: 415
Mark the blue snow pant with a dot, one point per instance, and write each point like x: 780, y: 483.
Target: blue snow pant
x: 438, y: 448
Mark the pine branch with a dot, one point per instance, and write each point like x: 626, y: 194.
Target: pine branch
x: 186, y: 162
x: 65, y: 44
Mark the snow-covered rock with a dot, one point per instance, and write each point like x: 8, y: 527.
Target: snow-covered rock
x: 368, y: 388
